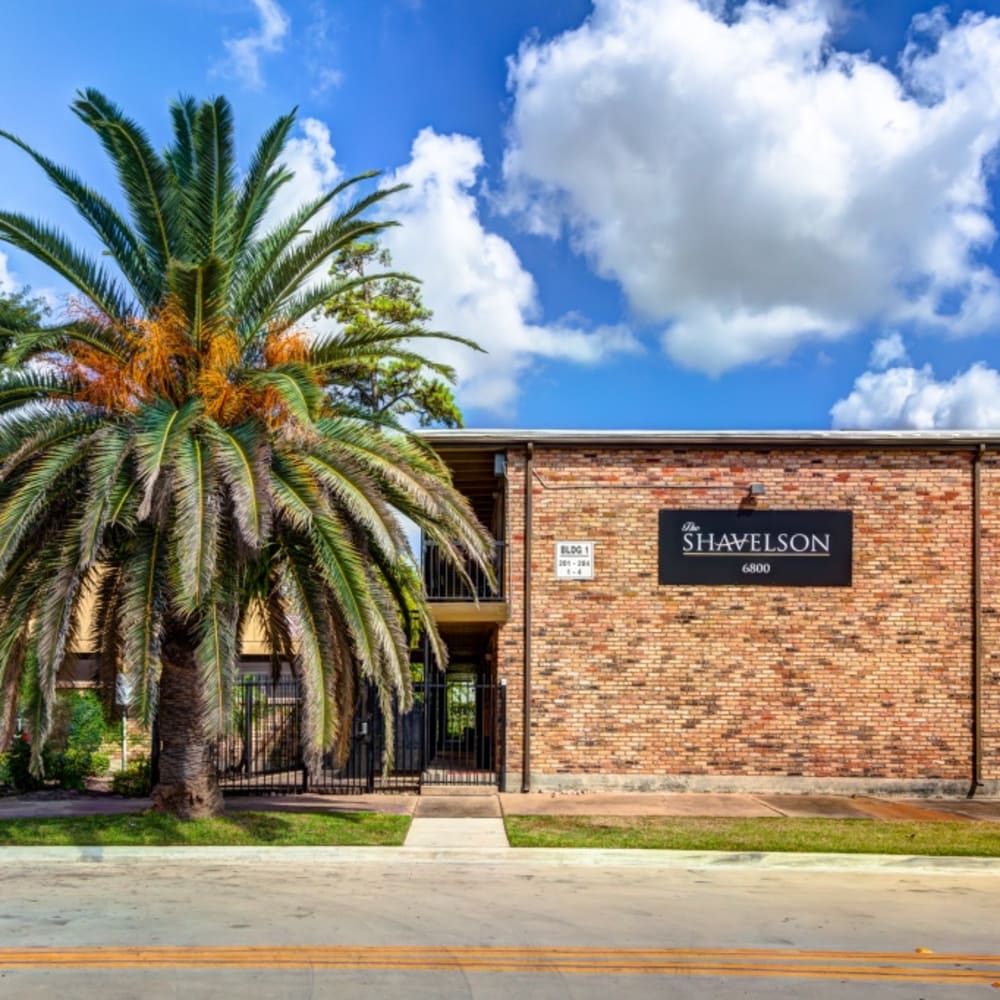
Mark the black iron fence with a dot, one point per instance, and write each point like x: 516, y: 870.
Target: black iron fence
x: 261, y: 749
x: 452, y: 735
x: 443, y: 582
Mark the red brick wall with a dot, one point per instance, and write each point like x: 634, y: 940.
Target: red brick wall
x: 510, y: 640
x: 867, y: 682
x: 990, y: 554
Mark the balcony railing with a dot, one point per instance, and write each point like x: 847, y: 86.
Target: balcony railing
x: 444, y: 583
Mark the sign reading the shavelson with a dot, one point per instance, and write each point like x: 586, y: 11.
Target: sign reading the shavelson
x: 574, y: 560
x: 777, y: 548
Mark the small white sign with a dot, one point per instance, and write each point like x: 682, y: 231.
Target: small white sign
x: 574, y: 560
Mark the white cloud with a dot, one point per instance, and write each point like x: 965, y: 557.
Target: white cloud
x: 713, y: 340
x: 753, y: 188
x: 888, y: 350
x: 320, y: 48
x: 474, y: 280
x: 11, y: 282
x: 906, y: 398
x: 326, y: 78
x: 243, y: 54
x: 313, y: 160
x: 7, y: 283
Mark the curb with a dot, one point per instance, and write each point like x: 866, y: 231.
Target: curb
x: 886, y: 864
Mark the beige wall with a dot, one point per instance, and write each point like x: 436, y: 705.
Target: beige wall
x: 254, y: 643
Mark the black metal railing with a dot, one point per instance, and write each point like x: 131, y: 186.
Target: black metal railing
x: 261, y: 748
x: 453, y: 735
x: 465, y: 721
x: 443, y: 582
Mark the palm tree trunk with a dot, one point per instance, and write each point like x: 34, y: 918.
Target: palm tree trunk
x: 188, y: 787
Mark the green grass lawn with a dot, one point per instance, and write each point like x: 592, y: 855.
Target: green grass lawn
x: 848, y: 836
x: 236, y: 829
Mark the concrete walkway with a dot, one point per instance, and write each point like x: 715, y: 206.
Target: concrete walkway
x: 459, y: 833
x: 446, y: 821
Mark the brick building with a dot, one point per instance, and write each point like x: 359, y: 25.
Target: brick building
x: 777, y: 611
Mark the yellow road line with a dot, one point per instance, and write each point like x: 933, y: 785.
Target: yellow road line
x: 787, y: 954
x: 747, y: 962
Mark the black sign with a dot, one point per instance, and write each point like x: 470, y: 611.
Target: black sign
x: 776, y: 548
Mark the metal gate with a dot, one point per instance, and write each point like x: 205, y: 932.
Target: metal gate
x: 454, y: 734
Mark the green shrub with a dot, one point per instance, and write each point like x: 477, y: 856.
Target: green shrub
x: 18, y: 759
x: 71, y: 753
x: 78, y: 722
x: 5, y: 781
x: 71, y: 767
x: 135, y: 782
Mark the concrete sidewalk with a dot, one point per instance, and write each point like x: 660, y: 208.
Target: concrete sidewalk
x: 457, y: 806
x: 489, y: 858
x: 741, y: 804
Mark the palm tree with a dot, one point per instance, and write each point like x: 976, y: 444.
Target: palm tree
x: 170, y: 451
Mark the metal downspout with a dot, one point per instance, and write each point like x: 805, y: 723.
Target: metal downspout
x: 977, y: 623
x: 526, y: 687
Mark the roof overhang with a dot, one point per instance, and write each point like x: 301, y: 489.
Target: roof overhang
x: 499, y: 439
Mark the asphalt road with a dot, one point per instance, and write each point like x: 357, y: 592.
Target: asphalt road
x: 497, y: 929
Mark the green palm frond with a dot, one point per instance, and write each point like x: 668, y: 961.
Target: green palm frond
x: 112, y: 230
x: 279, y: 295
x: 46, y: 589
x: 342, y: 568
x: 201, y: 290
x: 263, y: 179
x: 355, y: 493
x: 29, y: 344
x: 272, y: 615
x: 413, y: 485
x: 196, y: 524
x: 217, y: 656
x: 58, y: 610
x: 141, y: 607
x: 16, y: 604
x: 315, y: 642
x: 105, y: 632
x: 39, y: 704
x: 302, y: 255
x: 24, y: 387
x: 209, y: 194
x: 180, y: 157
x: 217, y: 650
x: 53, y: 249
x: 159, y: 427
x: 256, y: 260
x: 32, y: 495
x: 125, y: 500
x: 26, y: 433
x: 241, y: 454
x: 142, y: 175
x: 11, y: 668
x: 333, y: 348
x: 305, y: 302
x: 295, y: 493
x: 295, y: 385
x: 106, y: 461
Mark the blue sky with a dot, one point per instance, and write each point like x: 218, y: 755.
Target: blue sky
x: 652, y: 213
